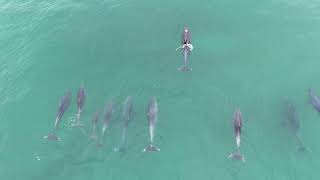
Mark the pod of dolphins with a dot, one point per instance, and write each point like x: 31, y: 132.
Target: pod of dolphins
x: 126, y: 116
x: 292, y: 120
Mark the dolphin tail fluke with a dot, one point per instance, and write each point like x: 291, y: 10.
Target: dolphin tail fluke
x: 100, y: 144
x: 151, y: 148
x: 52, y: 137
x: 237, y: 156
x: 184, y: 68
x: 301, y: 147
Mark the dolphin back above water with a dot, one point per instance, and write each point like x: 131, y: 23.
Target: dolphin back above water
x: 64, y: 104
x: 152, y: 115
x: 237, y: 126
x: 314, y: 99
x: 81, y: 98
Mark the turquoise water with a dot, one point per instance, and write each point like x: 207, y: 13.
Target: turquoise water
x: 248, y: 54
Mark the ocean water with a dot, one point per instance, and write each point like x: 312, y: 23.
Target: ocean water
x: 247, y: 54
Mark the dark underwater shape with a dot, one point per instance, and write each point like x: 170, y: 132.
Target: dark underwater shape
x: 126, y: 118
x: 293, y: 124
x: 106, y: 120
x: 94, y: 121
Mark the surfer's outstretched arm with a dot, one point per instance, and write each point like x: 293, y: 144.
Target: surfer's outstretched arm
x: 190, y: 46
x: 178, y: 48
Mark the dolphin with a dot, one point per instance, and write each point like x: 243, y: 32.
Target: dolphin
x: 294, y: 124
x: 126, y: 118
x: 106, y: 119
x: 314, y: 100
x: 152, y: 115
x: 64, y: 104
x: 95, y: 120
x: 237, y: 126
x: 81, y: 98
x: 186, y: 47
